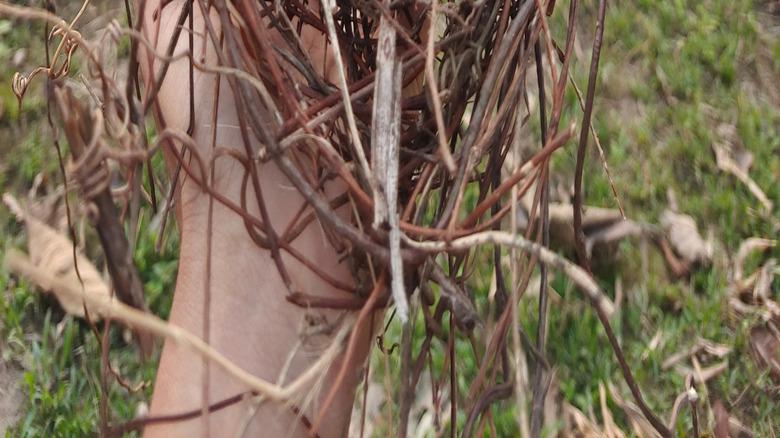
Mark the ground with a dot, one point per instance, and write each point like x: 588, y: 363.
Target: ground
x: 675, y: 79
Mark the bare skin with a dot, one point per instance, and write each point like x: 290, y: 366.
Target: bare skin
x: 249, y: 319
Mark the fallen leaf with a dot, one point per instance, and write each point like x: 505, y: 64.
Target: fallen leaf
x: 761, y: 291
x: 653, y: 345
x: 679, y: 357
x: 767, y: 310
x: 602, y: 226
x: 52, y: 253
x: 614, y: 232
x: 579, y: 424
x: 715, y: 349
x: 702, y: 375
x: 685, y: 239
x: 721, y: 415
x: 701, y: 345
x: 765, y: 346
x: 610, y: 428
x: 727, y: 164
x: 731, y: 143
x: 680, y: 268
x: 753, y: 295
x: 639, y: 424
x: 746, y: 248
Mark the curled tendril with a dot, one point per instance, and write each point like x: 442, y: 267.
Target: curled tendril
x: 21, y: 81
x: 19, y: 85
x: 114, y: 30
x: 68, y: 46
x: 68, y: 42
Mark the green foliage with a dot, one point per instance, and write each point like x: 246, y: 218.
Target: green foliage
x: 60, y: 356
x: 688, y: 69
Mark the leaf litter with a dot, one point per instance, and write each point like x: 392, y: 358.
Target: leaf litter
x: 53, y: 254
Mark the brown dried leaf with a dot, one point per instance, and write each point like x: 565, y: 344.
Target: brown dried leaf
x: 579, y: 424
x: 731, y: 160
x: 640, y: 425
x: 610, y: 428
x: 52, y: 253
x: 717, y: 350
x: 654, y: 343
x: 721, y: 420
x: 745, y: 249
x: 684, y: 237
x: 761, y: 291
x: 753, y: 295
x: 614, y: 232
x: 767, y: 310
x: 679, y: 356
x: 702, y: 375
x: 680, y: 268
x: 731, y: 143
x: 766, y: 349
x: 602, y: 226
x: 727, y: 164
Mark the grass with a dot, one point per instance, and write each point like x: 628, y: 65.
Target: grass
x: 671, y: 73
x: 58, y: 357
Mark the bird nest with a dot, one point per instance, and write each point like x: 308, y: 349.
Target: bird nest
x: 423, y: 118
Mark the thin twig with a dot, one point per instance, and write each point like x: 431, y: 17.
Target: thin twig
x: 153, y: 325
x: 81, y: 131
x: 579, y: 235
x: 539, y: 391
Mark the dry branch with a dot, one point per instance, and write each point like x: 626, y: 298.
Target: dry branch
x: 82, y: 130
x: 577, y: 275
x: 136, y: 319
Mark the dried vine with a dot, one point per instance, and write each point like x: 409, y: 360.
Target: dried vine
x: 392, y: 154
